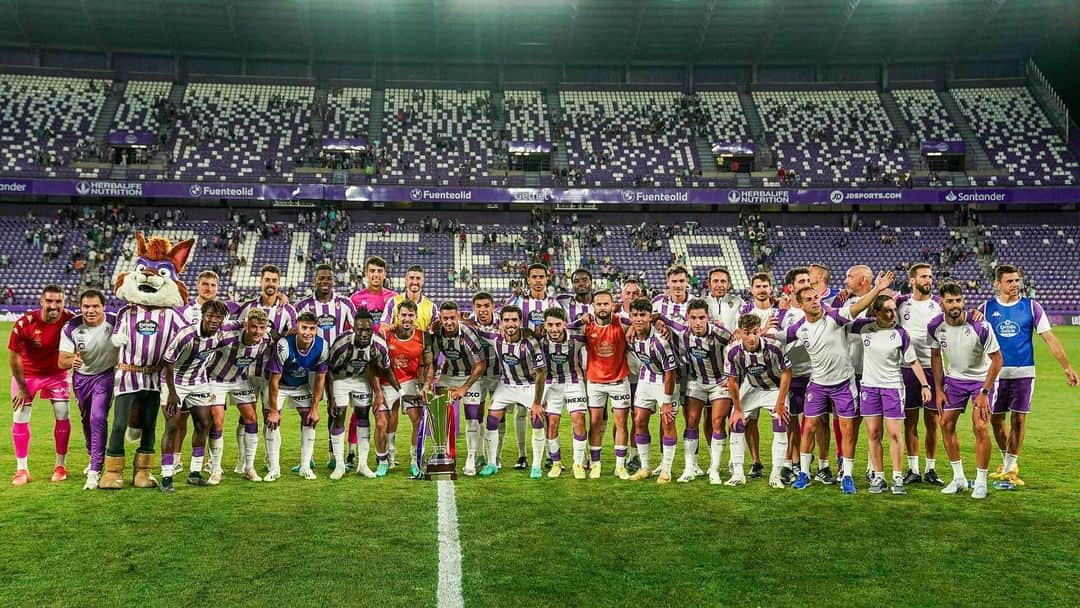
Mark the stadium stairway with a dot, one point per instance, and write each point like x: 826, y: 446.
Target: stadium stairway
x: 378, y: 98
x: 900, y: 126
x: 753, y: 120
x: 977, y: 158
x: 176, y: 98
x: 316, y: 119
x: 554, y: 112
x: 104, y: 121
x: 706, y: 160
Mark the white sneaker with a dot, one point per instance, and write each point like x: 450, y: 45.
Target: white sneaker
x: 272, y: 475
x: 92, y: 478
x: 364, y: 471
x: 239, y: 468
x: 658, y: 470
x: 979, y: 491
x: 687, y: 477
x: 337, y: 473
x: 470, y: 466
x: 737, y: 479
x: 955, y: 486
x: 308, y: 474
x: 178, y: 468
x: 774, y: 481
x: 698, y: 472
x: 251, y: 475
x: 86, y: 471
x: 215, y: 479
x: 714, y: 478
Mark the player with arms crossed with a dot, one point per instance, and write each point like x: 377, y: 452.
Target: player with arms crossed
x: 34, y: 346
x: 974, y: 363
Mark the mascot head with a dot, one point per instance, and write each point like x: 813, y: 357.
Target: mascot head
x: 156, y: 279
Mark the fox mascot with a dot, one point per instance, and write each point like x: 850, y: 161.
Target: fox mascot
x: 143, y: 330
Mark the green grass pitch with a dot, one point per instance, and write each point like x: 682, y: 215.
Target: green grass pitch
x: 546, y: 543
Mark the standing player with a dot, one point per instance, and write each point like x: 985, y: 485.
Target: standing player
x: 607, y: 372
x: 536, y: 300
x: 354, y: 358
x: 974, y: 363
x: 297, y: 373
x: 724, y: 306
x: 886, y: 349
x: 185, y: 364
x: 230, y: 371
x: 86, y: 349
x: 915, y: 311
x: 819, y: 280
x: 672, y: 304
x: 564, y: 352
x: 464, y: 363
x: 656, y: 390
x: 34, y: 346
x: 282, y: 318
x: 483, y: 318
x: 410, y: 358
x: 426, y: 311
x: 1015, y: 320
x: 762, y: 306
x: 795, y: 280
x: 580, y: 302
x: 334, y: 314
x: 523, y: 376
x: 631, y: 290
x: 765, y: 371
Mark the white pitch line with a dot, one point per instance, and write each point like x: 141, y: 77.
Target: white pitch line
x: 449, y: 592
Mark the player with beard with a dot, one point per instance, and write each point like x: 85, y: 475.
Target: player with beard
x: 298, y: 367
x: 1015, y: 320
x: 656, y: 388
x: 631, y: 290
x: 724, y: 306
x: 483, y: 318
x: 607, y: 372
x: 185, y: 367
x: 464, y: 363
x: 564, y: 351
x: 426, y: 310
x: 334, y: 314
x: 795, y: 280
x: 34, y: 346
x: 763, y: 306
x: 282, y: 318
x: 974, y: 361
x: 356, y: 356
x: 230, y: 372
x: 914, y: 312
x: 523, y: 373
x: 85, y: 348
x: 580, y: 302
x: 410, y: 359
x: 372, y: 298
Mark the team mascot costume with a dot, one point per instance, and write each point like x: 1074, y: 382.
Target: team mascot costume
x: 144, y: 327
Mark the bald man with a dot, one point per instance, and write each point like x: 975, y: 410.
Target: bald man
x: 858, y: 282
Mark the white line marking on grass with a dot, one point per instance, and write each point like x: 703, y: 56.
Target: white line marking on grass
x: 449, y: 592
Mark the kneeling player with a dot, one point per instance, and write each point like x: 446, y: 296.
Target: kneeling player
x: 297, y: 373
x: 354, y: 357
x: 656, y: 383
x: 765, y: 370
x: 563, y: 351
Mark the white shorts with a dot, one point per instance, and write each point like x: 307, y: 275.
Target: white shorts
x: 753, y: 400
x: 240, y: 391
x: 261, y: 386
x: 352, y: 392
x: 297, y: 398
x: 509, y: 396
x: 708, y: 392
x: 571, y: 396
x: 473, y: 396
x: 618, y: 392
x: 650, y: 396
x: 198, y: 395
x: 409, y: 388
x: 486, y: 386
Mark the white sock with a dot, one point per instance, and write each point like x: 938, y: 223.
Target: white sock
x: 957, y: 469
x: 492, y: 447
x: 931, y: 464
x: 167, y: 470
x: 848, y: 465
x: 337, y: 447
x: 472, y: 437
x: 897, y: 477
x: 1003, y: 455
x: 580, y: 445
x: 788, y: 463
x: 620, y: 461
x: 391, y: 446
x: 879, y: 474
x: 412, y: 453
x: 667, y: 457
x: 20, y: 464
x: 822, y: 464
x: 502, y: 438
x: 913, y: 464
x: 980, y: 477
x: 273, y: 448
x: 363, y: 445
x: 241, y: 443
x: 690, y: 453
x: 217, y: 451
x: 737, y: 452
x: 631, y: 452
x: 716, y: 453
x: 521, y: 427
x: 178, y: 459
x: 553, y: 449
x: 307, y: 447
x: 1009, y: 463
x: 196, y: 463
x: 643, y: 453
x: 779, y: 448
x: 804, y: 462
x: 539, y: 442
x: 251, y: 445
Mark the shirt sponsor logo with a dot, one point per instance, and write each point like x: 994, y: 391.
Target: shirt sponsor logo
x: 146, y: 328
x: 511, y: 360
x: 1008, y: 329
x: 327, y: 321
x: 243, y: 362
x: 559, y: 358
x: 699, y: 353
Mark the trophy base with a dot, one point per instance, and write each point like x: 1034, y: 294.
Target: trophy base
x: 446, y: 469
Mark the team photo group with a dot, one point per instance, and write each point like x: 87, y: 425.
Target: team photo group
x: 903, y: 370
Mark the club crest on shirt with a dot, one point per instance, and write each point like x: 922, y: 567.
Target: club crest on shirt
x: 146, y: 328
x: 866, y: 342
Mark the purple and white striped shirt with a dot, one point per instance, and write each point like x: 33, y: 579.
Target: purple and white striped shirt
x: 574, y: 309
x: 564, y: 359
x: 282, y: 319
x: 190, y: 353
x: 488, y: 349
x: 517, y: 360
x: 664, y: 305
x: 193, y: 312
x: 146, y: 333
x: 656, y: 357
x: 234, y: 361
x: 532, y: 309
x: 761, y: 368
x: 704, y: 354
x: 350, y: 360
x: 334, y: 317
x: 460, y: 352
